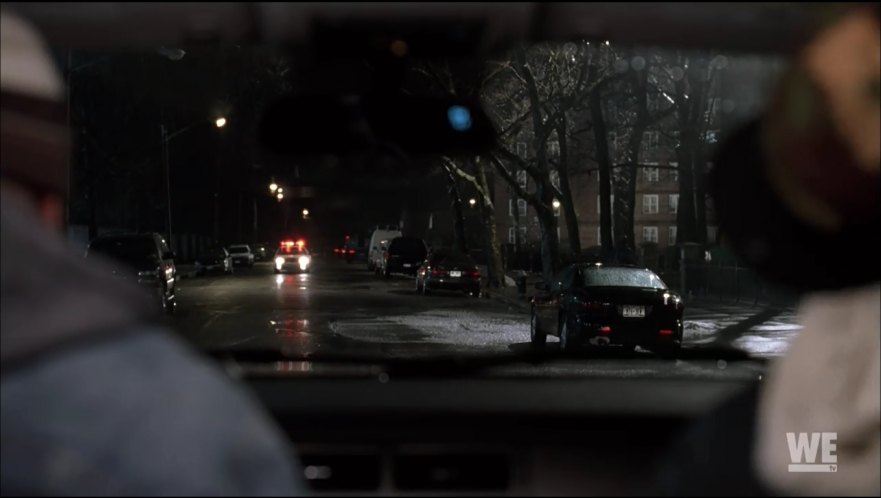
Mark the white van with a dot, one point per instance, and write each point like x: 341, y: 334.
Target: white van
x: 379, y: 240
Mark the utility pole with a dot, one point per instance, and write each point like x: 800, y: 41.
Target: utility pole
x: 167, y: 183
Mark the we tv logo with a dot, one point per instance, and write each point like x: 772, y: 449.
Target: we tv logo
x: 804, y: 448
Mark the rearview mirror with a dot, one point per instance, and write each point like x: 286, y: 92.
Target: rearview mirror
x: 309, y: 125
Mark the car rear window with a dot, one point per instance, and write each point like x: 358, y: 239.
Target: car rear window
x: 621, y: 277
x: 129, y: 249
x: 452, y: 259
x: 407, y: 246
x: 238, y: 249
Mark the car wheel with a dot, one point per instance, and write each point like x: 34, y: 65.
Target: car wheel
x: 536, y: 337
x: 566, y: 343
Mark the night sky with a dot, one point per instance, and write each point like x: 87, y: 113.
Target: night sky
x: 119, y: 102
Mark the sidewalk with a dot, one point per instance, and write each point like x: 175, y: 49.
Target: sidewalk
x: 509, y: 295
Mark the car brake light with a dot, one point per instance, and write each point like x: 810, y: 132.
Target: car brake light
x: 336, y: 251
x: 605, y: 330
x: 351, y: 251
x: 438, y: 273
x: 665, y: 332
x: 474, y: 274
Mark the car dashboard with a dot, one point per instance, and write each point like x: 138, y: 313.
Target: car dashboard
x: 383, y: 436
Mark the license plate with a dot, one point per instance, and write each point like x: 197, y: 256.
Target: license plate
x: 633, y: 311
x: 455, y: 274
x: 407, y: 265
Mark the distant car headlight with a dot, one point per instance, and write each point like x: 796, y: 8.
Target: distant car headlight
x: 304, y: 262
x: 279, y: 261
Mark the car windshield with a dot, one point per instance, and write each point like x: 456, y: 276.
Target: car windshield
x: 620, y: 277
x: 129, y: 250
x: 598, y: 151
x: 290, y: 250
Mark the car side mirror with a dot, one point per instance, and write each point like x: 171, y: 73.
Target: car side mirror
x: 168, y: 255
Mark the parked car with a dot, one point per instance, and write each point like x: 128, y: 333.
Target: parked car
x: 292, y: 256
x: 603, y: 305
x: 144, y: 258
x: 447, y: 270
x: 404, y: 255
x: 261, y: 253
x: 242, y: 255
x: 378, y: 243
x: 214, y: 259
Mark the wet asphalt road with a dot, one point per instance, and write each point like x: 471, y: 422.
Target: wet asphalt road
x: 340, y: 308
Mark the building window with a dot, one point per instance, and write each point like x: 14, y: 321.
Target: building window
x: 652, y: 175
x: 673, y: 202
x: 650, y: 234
x: 521, y: 208
x: 556, y: 207
x: 522, y: 178
x: 674, y: 172
x: 512, y: 235
x: 521, y: 150
x: 650, y: 203
x: 651, y: 139
x: 671, y: 236
x: 553, y: 149
x: 711, y: 234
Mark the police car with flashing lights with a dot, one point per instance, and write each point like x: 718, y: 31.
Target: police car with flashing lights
x: 292, y: 257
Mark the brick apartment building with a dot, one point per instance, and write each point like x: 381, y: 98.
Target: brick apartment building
x: 657, y: 200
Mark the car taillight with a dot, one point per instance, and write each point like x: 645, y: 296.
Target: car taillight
x: 351, y: 251
x: 438, y: 273
x: 595, y: 307
x: 336, y: 251
x: 665, y: 332
x: 474, y: 274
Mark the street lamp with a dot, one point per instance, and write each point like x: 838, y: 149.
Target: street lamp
x: 556, y: 204
x: 166, y: 139
x: 273, y: 187
x: 280, y: 196
x: 472, y: 201
x: 305, y: 213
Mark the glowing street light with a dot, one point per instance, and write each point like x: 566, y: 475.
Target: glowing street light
x: 280, y: 196
x: 556, y: 204
x: 273, y: 187
x: 220, y: 122
x: 305, y: 212
x: 472, y: 201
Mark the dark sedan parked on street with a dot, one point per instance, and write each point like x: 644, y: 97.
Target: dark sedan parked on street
x: 450, y: 271
x: 143, y: 258
x: 214, y: 259
x: 601, y: 305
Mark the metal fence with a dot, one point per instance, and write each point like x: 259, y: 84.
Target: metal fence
x: 740, y: 283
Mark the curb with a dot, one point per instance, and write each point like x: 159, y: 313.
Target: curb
x: 523, y: 305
